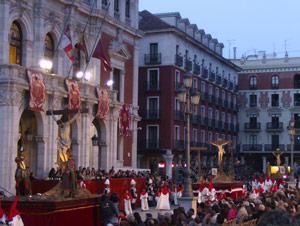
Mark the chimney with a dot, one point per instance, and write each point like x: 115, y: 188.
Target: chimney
x: 234, y: 53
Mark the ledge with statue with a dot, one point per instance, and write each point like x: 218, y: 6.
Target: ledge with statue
x: 222, y: 182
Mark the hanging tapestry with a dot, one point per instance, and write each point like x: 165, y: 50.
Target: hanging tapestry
x: 103, y: 103
x: 124, y: 121
x: 37, y: 90
x: 74, y: 93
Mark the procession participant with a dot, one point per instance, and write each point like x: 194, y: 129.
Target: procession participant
x: 273, y: 181
x: 133, y: 193
x: 21, y: 174
x: 175, y: 194
x: 254, y: 193
x: 268, y: 183
x: 107, y: 188
x: 107, y: 210
x: 254, y: 184
x: 163, y: 201
x: 2, y: 215
x: 14, y: 217
x: 144, y: 200
x: 261, y: 182
x: 127, y: 202
x: 201, y: 188
x: 211, y: 191
x: 281, y: 185
x: 151, y: 194
x: 157, y: 195
x: 222, y: 196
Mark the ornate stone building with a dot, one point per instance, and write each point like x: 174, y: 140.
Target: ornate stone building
x: 29, y: 31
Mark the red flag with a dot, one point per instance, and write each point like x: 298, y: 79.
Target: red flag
x: 99, y: 54
x: 82, y: 45
x: 66, y: 43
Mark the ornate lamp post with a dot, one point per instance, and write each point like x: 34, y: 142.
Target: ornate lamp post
x: 188, y: 97
x: 291, y: 130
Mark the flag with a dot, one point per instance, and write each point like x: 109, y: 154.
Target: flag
x: 66, y: 43
x: 99, y: 54
x: 82, y: 45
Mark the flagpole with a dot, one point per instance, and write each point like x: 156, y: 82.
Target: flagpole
x: 97, y: 39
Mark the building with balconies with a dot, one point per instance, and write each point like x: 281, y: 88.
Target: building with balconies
x: 171, y: 47
x: 268, y: 98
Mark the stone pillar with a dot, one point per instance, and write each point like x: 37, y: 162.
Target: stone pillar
x: 4, y: 31
x: 264, y: 158
x: 39, y: 36
x: 169, y: 160
x: 42, y: 169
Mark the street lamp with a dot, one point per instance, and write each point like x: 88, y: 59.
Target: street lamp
x: 188, y: 97
x: 291, y: 130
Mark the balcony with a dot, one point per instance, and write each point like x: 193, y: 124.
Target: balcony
x: 188, y: 65
x: 212, y: 76
x: 224, y: 82
x: 151, y: 59
x: 296, y: 147
x: 218, y: 79
x: 153, y: 144
x: 253, y: 86
x: 178, y: 60
x: 252, y: 147
x: 150, y: 115
x: 197, y: 119
x: 204, y: 96
x: 179, y: 144
x: 235, y: 107
x: 252, y: 127
x: 204, y: 72
x: 211, y: 99
x: 230, y: 86
x: 275, y: 86
x: 273, y: 147
x: 196, y: 69
x: 178, y: 115
x: 274, y: 126
x: 152, y: 86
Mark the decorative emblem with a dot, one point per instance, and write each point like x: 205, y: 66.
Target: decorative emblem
x: 74, y: 93
x: 124, y: 121
x: 37, y: 90
x: 103, y: 103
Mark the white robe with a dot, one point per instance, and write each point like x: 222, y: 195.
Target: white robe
x: 3, y: 219
x: 163, y: 202
x: 16, y: 221
x: 176, y: 195
x: 144, y: 202
x: 127, y: 206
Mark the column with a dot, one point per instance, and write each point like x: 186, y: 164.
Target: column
x: 42, y: 169
x: 169, y: 160
x: 264, y: 164
x: 4, y: 32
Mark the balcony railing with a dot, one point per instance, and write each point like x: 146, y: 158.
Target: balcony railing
x: 272, y: 126
x: 296, y: 147
x: 188, y: 65
x: 150, y: 114
x: 275, y: 86
x: 196, y: 69
x: 178, y: 60
x: 224, y: 82
x: 152, y: 86
x: 204, y: 72
x: 252, y: 147
x: 218, y: 79
x: 273, y: 147
x: 212, y: 76
x: 179, y: 144
x: 297, y: 125
x: 252, y: 86
x: 204, y: 96
x: 149, y: 144
x: 219, y: 124
x: 226, y: 126
x: 252, y: 126
x: 234, y: 128
x: 153, y: 59
x: 178, y: 115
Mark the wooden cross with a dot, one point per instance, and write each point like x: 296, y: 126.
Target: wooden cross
x: 199, y: 163
x: 67, y: 112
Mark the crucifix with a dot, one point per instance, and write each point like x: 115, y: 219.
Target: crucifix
x: 64, y: 129
x: 277, y: 153
x: 199, y: 163
x: 219, y: 144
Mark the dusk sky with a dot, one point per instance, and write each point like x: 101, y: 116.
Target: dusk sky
x: 249, y: 25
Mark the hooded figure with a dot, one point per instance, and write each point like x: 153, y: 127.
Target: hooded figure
x: 2, y: 215
x: 201, y: 188
x: 163, y: 201
x: 211, y: 191
x: 14, y: 218
x: 254, y: 182
x: 281, y: 185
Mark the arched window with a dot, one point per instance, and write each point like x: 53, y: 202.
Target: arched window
x: 253, y: 82
x: 76, y: 64
x: 275, y: 82
x: 15, y: 45
x: 49, y: 49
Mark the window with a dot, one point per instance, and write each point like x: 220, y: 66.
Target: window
x: 152, y: 108
x: 177, y: 104
x: 210, y: 91
x: 195, y: 58
x: 209, y: 136
x: 209, y: 113
x: 177, y: 49
x: 104, y: 4
x: 297, y: 81
x: 253, y: 82
x: 223, y: 94
x: 229, y: 118
x: 297, y: 99
x: 275, y: 142
x: 203, y: 136
x: 234, y: 99
x: 195, y: 83
x: 152, y: 137
x: 153, y: 80
x: 229, y: 97
x: 203, y: 111
x: 127, y: 8
x: 223, y: 136
x: 275, y: 82
x: 252, y: 140
x: 275, y: 120
x: 275, y: 100
x: 234, y: 140
x: 223, y: 117
x: 234, y: 120
x: 176, y: 133
x: 253, y: 100
x: 217, y: 92
x: 49, y: 49
x: 203, y: 87
x: 15, y: 45
x: 116, y: 5
x: 229, y: 137
x: 253, y: 120
x: 216, y: 136
x: 195, y: 135
x: 217, y: 116
x: 153, y: 49
x: 117, y: 82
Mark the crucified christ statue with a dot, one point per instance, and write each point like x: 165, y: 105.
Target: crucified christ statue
x: 64, y: 132
x: 277, y: 154
x: 219, y: 144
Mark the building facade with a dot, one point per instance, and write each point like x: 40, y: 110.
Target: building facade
x: 171, y: 47
x: 31, y: 30
x: 268, y: 98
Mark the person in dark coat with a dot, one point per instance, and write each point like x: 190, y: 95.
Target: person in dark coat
x: 107, y: 210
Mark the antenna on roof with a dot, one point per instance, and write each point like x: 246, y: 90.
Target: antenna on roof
x: 229, y: 45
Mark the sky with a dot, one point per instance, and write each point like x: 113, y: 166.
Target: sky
x: 249, y: 25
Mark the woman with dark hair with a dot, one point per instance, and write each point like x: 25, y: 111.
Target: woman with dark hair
x: 138, y: 219
x: 52, y: 174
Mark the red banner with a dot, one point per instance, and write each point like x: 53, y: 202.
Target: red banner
x: 103, y: 103
x: 124, y: 121
x: 37, y: 90
x: 74, y: 93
